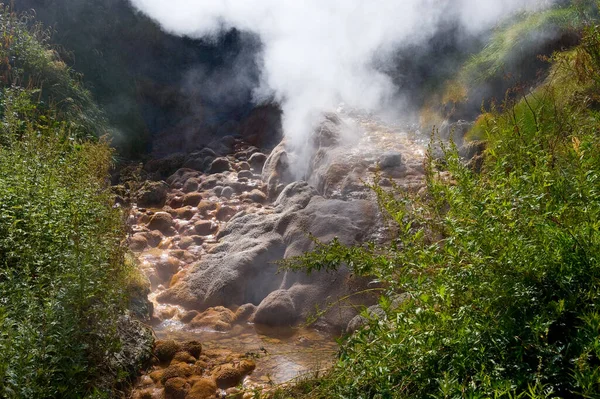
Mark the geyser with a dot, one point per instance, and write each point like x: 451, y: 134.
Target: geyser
x: 318, y: 53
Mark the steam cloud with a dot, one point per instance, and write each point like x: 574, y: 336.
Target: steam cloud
x: 319, y: 53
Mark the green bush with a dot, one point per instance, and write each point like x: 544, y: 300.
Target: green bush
x: 502, y: 267
x: 62, y: 268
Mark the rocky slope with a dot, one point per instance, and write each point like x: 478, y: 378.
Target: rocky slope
x: 210, y: 227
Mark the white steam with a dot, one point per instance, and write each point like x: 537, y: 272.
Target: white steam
x: 319, y: 53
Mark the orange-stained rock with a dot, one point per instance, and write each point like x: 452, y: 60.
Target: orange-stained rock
x: 161, y: 221
x: 205, y: 207
x: 218, y: 318
x: 192, y: 199
x: 231, y: 375
x: 165, y: 350
x: 203, y: 388
x: 194, y: 348
x: 183, y: 357
x: 176, y: 388
x: 205, y: 227
x: 182, y: 370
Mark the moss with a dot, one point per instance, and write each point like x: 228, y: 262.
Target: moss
x: 166, y: 350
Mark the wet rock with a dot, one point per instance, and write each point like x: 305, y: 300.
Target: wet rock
x: 183, y: 357
x: 192, y: 199
x: 218, y: 318
x: 219, y: 165
x: 177, y: 370
x: 277, y: 309
x: 245, y: 174
x: 186, y: 242
x: 204, y: 207
x: 153, y: 238
x: 165, y: 350
x: 256, y: 196
x: 184, y: 213
x: 188, y: 316
x: 190, y: 186
x: 276, y: 170
x: 243, y: 166
x: 161, y: 221
x: 227, y: 376
x: 390, y: 159
x: 194, y: 348
x: 138, y: 242
x: 166, y: 268
x: 257, y: 161
x: 245, y: 313
x: 181, y: 176
x: 176, y: 388
x: 152, y: 195
x: 204, y: 388
x: 227, y: 192
x: 205, y: 228
x: 209, y: 183
x: 225, y: 213
x: 217, y: 190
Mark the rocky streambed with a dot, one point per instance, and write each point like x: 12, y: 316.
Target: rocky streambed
x: 209, y: 228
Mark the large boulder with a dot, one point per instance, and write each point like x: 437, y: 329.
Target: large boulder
x: 277, y: 309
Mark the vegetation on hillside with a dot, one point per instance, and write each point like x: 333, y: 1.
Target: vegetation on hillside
x: 62, y: 269
x: 501, y: 266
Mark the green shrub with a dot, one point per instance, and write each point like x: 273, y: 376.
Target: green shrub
x: 62, y: 268
x: 502, y: 267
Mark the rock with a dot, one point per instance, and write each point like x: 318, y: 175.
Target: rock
x: 135, y: 350
x: 184, y: 213
x: 227, y: 192
x: 375, y: 312
x: 218, y: 318
x: 176, y: 388
x: 244, y: 166
x: 245, y: 174
x: 276, y: 170
x: 165, y: 350
x: 153, y: 238
x: 194, y: 348
x: 152, y: 195
x: 204, y: 388
x: 225, y: 213
x: 204, y: 207
x: 192, y: 199
x: 390, y: 159
x: 177, y: 370
x: 166, y: 268
x: 227, y: 376
x: 183, y: 357
x: 138, y: 242
x: 277, y: 309
x: 257, y: 161
x: 188, y: 316
x: 190, y: 186
x: 256, y: 196
x: 217, y: 191
x: 219, y: 165
x: 161, y: 221
x: 245, y: 313
x: 186, y: 242
x: 205, y: 228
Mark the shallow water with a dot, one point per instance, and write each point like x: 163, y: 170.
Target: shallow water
x: 282, y: 354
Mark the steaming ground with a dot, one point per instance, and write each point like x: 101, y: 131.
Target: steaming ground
x: 317, y: 54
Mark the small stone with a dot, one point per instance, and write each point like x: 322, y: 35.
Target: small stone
x: 225, y: 213
x: 165, y: 350
x: 138, y: 243
x: 205, y: 228
x: 176, y: 388
x: 194, y: 348
x: 190, y: 185
x: 245, y: 174
x: 192, y: 199
x: 161, y: 221
x: 256, y: 196
x: 203, y: 388
x: 186, y: 242
x: 244, y: 166
x: 219, y: 165
x: 227, y: 192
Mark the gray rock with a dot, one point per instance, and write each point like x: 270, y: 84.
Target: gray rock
x: 277, y: 309
x: 257, y: 161
x: 390, y: 159
x: 219, y: 165
x: 245, y: 174
x: 227, y: 192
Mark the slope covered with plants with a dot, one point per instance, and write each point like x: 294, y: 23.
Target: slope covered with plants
x: 497, y: 262
x: 63, y: 275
